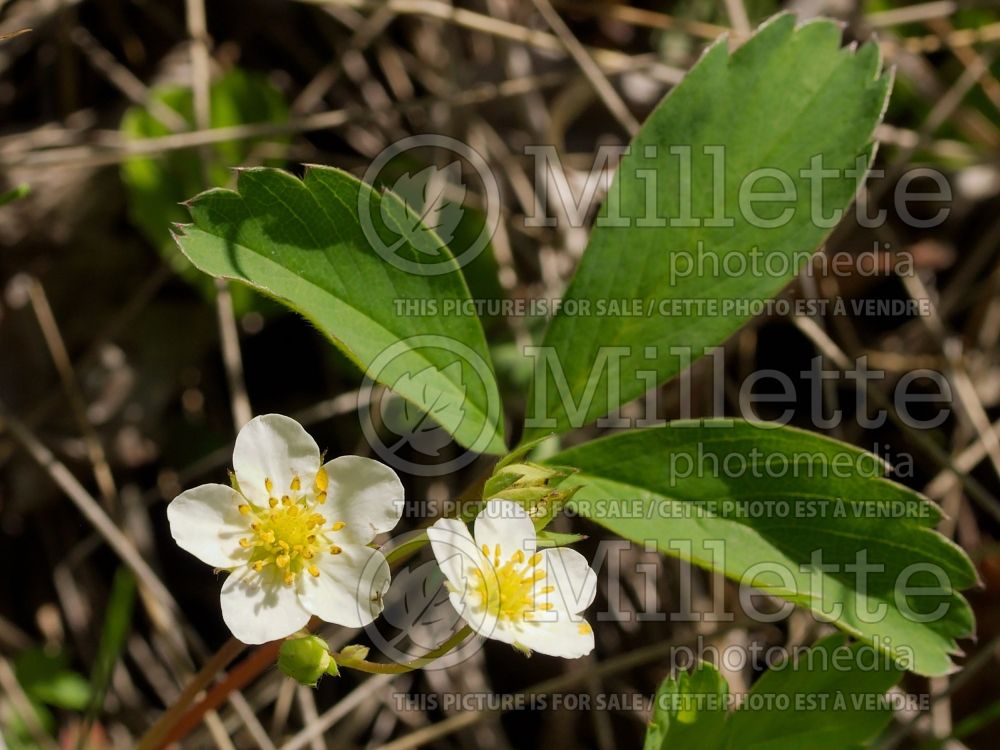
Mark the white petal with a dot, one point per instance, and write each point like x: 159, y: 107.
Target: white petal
x: 206, y: 522
x: 260, y: 608
x: 506, y: 523
x: 275, y: 447
x: 482, y: 622
x: 364, y: 494
x: 572, y: 577
x: 458, y: 557
x: 455, y: 551
x: 568, y: 636
x: 349, y: 588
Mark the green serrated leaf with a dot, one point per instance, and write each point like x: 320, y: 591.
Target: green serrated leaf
x: 458, y: 225
x: 777, y: 497
x: 415, y: 425
x: 436, y: 215
x: 300, y: 241
x: 784, y: 97
x: 831, y: 698
x: 689, y: 711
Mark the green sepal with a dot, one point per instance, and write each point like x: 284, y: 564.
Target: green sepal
x: 558, y: 539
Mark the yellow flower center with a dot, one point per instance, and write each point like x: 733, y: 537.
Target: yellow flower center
x: 509, y: 590
x: 289, y: 534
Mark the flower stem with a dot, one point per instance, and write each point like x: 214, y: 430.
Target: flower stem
x: 373, y: 667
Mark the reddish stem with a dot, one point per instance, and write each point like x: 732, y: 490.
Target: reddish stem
x: 240, y: 676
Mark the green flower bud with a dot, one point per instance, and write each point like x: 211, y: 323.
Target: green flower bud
x: 532, y: 486
x: 519, y: 475
x: 548, y: 506
x: 306, y: 659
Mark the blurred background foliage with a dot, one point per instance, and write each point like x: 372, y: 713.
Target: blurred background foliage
x: 157, y: 187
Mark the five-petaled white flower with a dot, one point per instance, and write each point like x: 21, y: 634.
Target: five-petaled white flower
x: 506, y: 589
x: 295, y: 535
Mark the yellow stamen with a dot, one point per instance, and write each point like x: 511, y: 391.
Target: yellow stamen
x: 322, y: 481
x: 288, y: 534
x: 507, y: 590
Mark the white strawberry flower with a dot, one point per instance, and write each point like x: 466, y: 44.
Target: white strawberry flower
x: 295, y: 535
x: 507, y: 589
